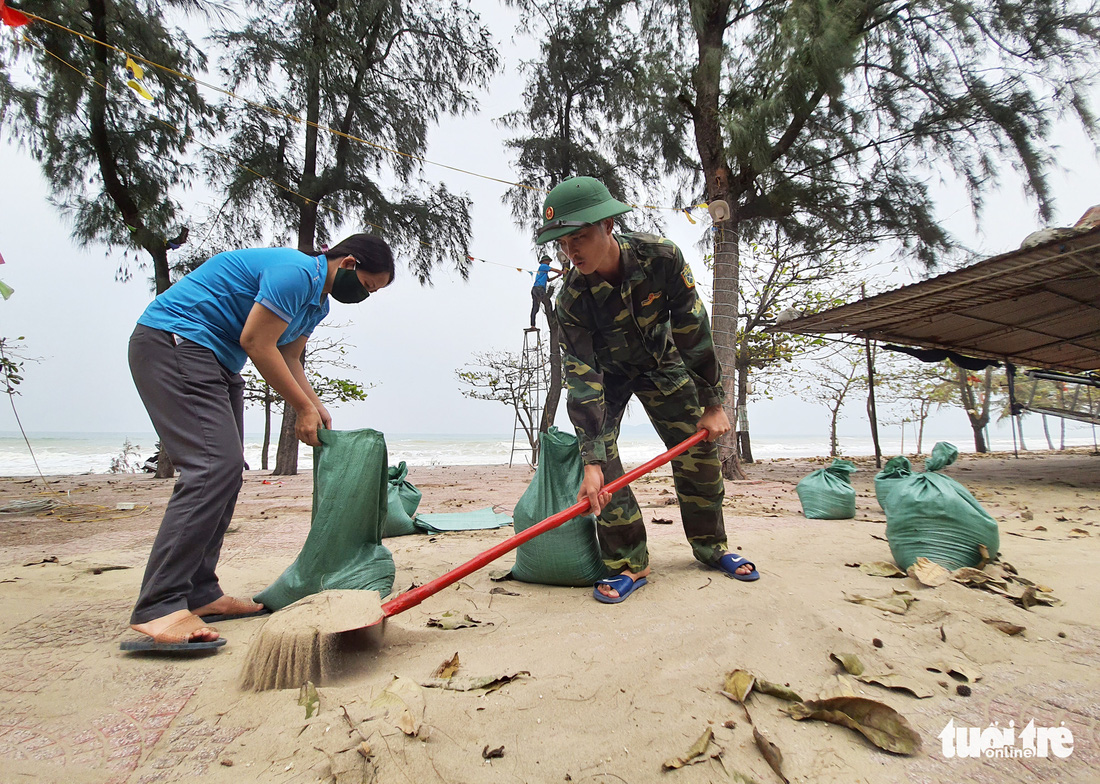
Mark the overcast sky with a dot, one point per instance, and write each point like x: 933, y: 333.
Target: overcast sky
x: 408, y: 340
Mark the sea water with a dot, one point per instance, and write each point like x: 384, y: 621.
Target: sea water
x: 80, y: 453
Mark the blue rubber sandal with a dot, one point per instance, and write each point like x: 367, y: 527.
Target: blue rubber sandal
x: 729, y: 563
x: 620, y: 583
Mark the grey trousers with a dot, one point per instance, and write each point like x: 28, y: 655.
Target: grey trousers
x: 197, y: 408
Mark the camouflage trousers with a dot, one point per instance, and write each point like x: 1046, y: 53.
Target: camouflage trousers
x: 697, y: 475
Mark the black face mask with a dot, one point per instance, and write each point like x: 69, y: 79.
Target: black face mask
x: 347, y: 288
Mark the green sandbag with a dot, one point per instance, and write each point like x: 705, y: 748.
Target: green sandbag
x: 932, y: 516
x: 569, y: 554
x: 827, y: 494
x: 896, y: 468
x: 344, y: 547
x: 401, y: 503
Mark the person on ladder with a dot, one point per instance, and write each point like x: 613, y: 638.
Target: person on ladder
x: 632, y: 323
x: 539, y: 291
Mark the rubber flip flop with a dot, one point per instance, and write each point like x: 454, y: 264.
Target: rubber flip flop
x: 233, y: 617
x: 621, y: 583
x: 152, y: 646
x: 729, y: 563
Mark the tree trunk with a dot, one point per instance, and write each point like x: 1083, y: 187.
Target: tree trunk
x: 924, y: 408
x: 978, y: 419
x: 834, y: 447
x: 709, y: 20
x: 741, y: 423
x: 1019, y: 423
x: 979, y: 439
x: 286, y: 454
x: 726, y: 260
x: 267, y: 430
x: 165, y: 469
x: 872, y: 411
x: 1046, y: 432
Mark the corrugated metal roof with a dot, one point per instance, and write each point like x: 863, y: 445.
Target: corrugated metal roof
x: 1038, y: 307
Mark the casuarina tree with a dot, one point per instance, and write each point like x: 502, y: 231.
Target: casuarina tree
x: 113, y: 136
x: 114, y: 160
x: 341, y: 97
x: 825, y: 119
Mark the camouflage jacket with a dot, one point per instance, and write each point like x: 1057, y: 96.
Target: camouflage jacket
x: 653, y: 324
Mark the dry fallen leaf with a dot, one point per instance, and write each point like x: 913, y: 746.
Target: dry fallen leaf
x: 739, y: 685
x: 881, y: 569
x: 929, y: 573
x: 489, y: 683
x: 697, y: 753
x: 898, y: 602
x: 879, y: 723
x: 777, y: 690
x: 979, y: 578
x: 838, y: 686
x: 849, y: 661
x: 453, y: 620
x: 899, y: 683
x: 1010, y: 629
x: 771, y: 753
x: 959, y: 670
x: 309, y: 699
x: 402, y: 702
x: 487, y: 753
x: 447, y: 668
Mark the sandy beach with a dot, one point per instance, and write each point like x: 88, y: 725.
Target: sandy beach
x: 586, y: 692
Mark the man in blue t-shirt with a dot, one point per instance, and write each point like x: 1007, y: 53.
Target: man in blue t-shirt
x: 539, y: 292
x: 186, y: 354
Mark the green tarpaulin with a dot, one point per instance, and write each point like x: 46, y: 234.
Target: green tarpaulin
x: 462, y: 521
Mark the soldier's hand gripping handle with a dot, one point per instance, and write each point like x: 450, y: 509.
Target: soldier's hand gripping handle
x: 715, y: 422
x: 592, y: 488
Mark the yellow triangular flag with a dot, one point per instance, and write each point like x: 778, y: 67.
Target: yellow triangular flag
x: 136, y: 73
x: 140, y: 90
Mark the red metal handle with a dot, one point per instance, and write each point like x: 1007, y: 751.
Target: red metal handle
x: 414, y: 597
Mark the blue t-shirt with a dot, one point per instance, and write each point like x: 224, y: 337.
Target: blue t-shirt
x: 209, y: 306
x: 542, y: 277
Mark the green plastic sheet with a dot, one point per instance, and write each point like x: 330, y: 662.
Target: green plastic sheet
x: 475, y: 520
x: 343, y: 549
x: 569, y: 554
x: 932, y: 516
x: 827, y: 494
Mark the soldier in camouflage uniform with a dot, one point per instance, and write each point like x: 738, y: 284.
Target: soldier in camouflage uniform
x: 632, y: 324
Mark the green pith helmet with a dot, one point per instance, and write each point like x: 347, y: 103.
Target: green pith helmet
x: 574, y: 204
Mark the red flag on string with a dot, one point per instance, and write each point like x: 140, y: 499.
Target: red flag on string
x: 11, y: 17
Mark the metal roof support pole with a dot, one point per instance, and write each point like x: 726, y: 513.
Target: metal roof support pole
x: 872, y: 412
x: 1014, y: 408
